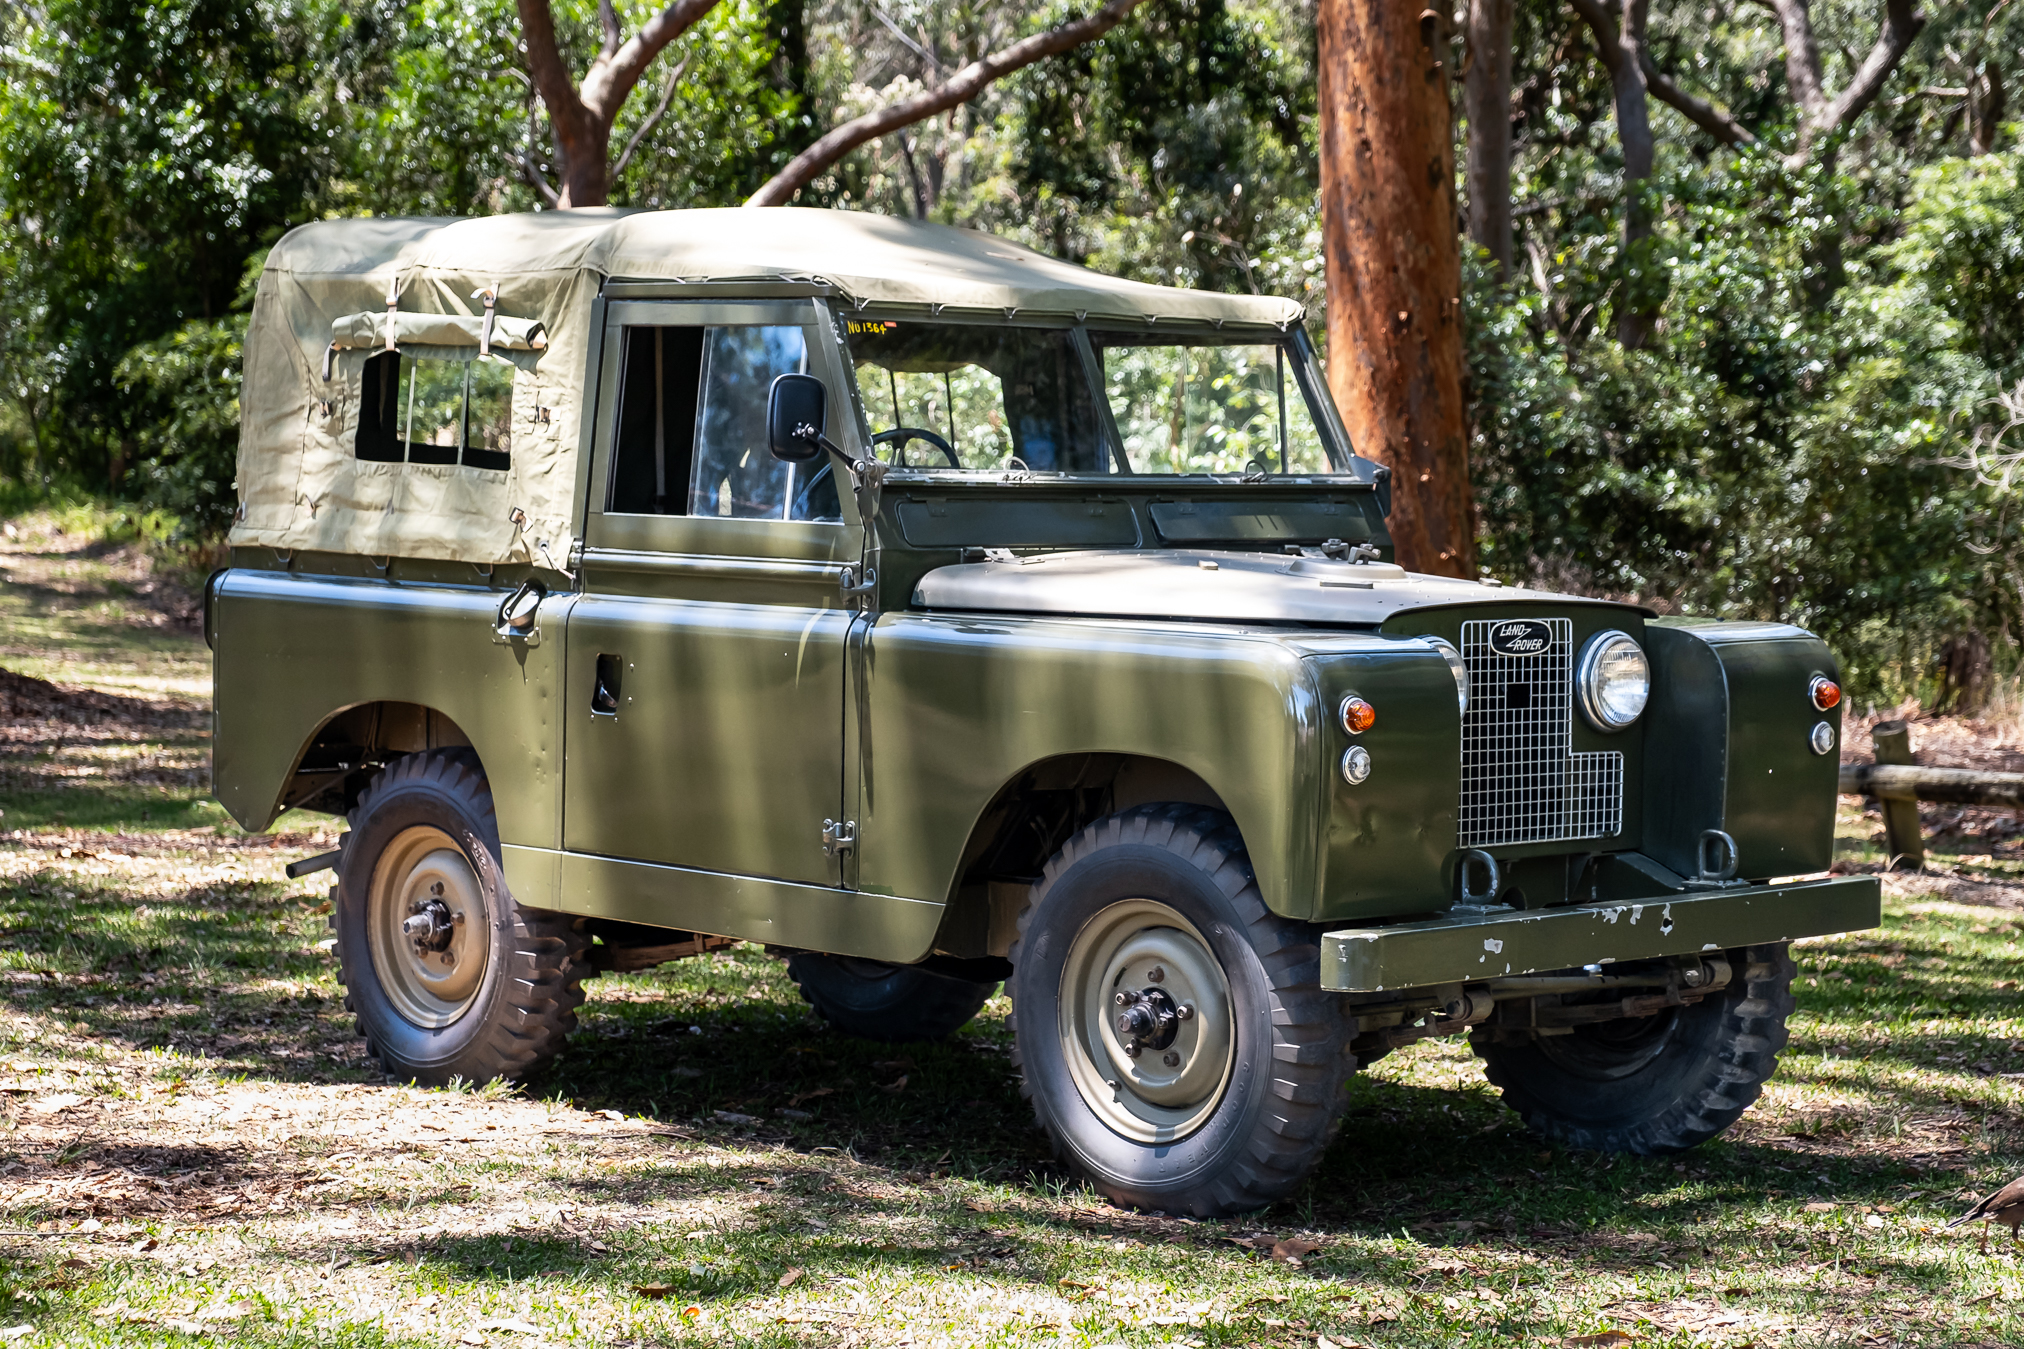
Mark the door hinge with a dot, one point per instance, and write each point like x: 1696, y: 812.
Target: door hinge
x: 838, y: 837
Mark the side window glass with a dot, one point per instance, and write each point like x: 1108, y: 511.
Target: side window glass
x: 452, y: 410
x: 656, y: 434
x: 734, y: 473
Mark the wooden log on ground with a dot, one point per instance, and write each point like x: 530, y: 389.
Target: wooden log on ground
x: 1954, y: 786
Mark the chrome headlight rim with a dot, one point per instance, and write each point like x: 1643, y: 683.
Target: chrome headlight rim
x: 1588, y: 682
x: 1457, y: 667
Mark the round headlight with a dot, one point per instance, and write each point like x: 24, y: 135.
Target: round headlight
x: 1614, y: 682
x: 1455, y: 668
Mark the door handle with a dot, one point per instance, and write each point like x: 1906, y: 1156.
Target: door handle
x: 604, y: 689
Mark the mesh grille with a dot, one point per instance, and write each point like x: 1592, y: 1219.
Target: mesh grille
x: 1521, y: 781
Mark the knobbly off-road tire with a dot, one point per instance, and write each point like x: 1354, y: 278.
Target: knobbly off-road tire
x: 1659, y: 1087
x: 502, y: 1006
x: 1167, y: 888
x: 892, y: 1003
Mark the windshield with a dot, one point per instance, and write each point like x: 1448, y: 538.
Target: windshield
x: 953, y: 395
x: 1203, y: 405
x: 990, y: 397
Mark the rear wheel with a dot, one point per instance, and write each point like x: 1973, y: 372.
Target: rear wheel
x: 1653, y: 1084
x: 449, y: 977
x: 1172, y: 1032
x: 894, y: 1003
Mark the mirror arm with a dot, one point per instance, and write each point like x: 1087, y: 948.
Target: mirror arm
x: 866, y: 475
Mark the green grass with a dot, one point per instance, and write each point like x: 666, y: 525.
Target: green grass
x: 186, y: 1110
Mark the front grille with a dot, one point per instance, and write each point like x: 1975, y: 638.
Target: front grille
x: 1521, y: 780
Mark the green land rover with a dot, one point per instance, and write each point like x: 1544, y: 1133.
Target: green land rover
x: 940, y: 614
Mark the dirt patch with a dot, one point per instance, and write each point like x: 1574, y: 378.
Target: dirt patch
x: 28, y: 701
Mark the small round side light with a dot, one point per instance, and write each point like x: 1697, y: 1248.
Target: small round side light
x: 1355, y: 764
x: 1824, y: 693
x: 1358, y: 716
x: 1822, y: 738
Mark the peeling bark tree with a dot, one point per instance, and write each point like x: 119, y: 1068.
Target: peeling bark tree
x: 1390, y: 236
x: 1486, y: 102
x: 582, y: 115
x: 960, y: 88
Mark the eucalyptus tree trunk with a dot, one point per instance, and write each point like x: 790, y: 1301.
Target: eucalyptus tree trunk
x: 1391, y: 238
x: 1486, y: 102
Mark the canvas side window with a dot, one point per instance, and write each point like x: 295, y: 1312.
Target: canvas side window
x: 655, y: 437
x: 452, y: 409
x: 734, y: 474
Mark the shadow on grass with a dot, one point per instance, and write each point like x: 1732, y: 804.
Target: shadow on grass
x: 721, y: 1047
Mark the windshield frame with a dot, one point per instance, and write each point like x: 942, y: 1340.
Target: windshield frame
x: 1347, y: 468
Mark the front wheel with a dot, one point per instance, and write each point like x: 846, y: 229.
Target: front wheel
x: 1172, y: 1032
x: 1653, y: 1084
x: 449, y: 977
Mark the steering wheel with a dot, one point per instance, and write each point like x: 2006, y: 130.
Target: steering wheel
x: 900, y: 435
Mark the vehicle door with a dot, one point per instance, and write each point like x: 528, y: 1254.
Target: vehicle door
x: 706, y: 652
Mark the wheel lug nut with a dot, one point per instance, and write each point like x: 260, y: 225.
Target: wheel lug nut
x: 1185, y: 1012
x: 1131, y: 1051
x: 449, y: 958
x: 1156, y: 975
x: 1121, y: 998
x: 1172, y: 1060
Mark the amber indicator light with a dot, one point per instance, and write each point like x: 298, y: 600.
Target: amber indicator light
x: 1825, y: 692
x: 1358, y: 716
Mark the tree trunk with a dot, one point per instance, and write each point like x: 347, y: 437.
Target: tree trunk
x: 584, y: 164
x: 1486, y: 100
x: 1622, y: 52
x: 1390, y: 236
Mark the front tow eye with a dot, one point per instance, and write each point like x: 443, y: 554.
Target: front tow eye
x: 1147, y: 1019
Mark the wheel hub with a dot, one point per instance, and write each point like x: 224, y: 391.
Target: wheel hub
x: 1145, y: 1021
x: 427, y: 926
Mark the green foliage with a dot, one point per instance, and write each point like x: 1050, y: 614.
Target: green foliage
x: 150, y: 146
x: 185, y: 389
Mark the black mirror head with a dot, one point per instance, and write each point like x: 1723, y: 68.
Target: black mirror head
x: 794, y: 418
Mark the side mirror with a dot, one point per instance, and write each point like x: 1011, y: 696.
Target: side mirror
x: 794, y: 418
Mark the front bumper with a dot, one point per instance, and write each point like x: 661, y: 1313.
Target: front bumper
x: 1463, y: 948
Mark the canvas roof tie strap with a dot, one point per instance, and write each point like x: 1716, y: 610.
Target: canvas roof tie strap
x: 329, y: 355
x: 490, y: 295
x: 393, y: 307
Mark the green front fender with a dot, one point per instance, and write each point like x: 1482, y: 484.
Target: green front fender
x: 951, y: 709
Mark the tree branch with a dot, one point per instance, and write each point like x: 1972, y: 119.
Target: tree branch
x: 653, y: 118
x: 530, y: 171
x: 1820, y: 115
x: 544, y: 63
x: 1901, y: 24
x: 611, y: 78
x: 1699, y: 111
x: 963, y: 86
x: 1802, y: 57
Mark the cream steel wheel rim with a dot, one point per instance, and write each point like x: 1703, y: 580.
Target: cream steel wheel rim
x: 427, y: 923
x: 1174, y: 1083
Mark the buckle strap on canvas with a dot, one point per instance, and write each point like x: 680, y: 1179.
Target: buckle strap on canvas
x: 393, y: 306
x: 490, y: 295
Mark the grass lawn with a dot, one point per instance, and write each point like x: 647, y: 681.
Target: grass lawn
x: 193, y: 1145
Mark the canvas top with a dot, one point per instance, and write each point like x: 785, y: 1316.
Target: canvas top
x: 868, y: 257
x: 316, y: 386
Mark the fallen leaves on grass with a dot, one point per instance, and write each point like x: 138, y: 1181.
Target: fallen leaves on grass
x: 1292, y: 1250
x: 1602, y: 1339
x: 787, y: 1280
x: 653, y: 1291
